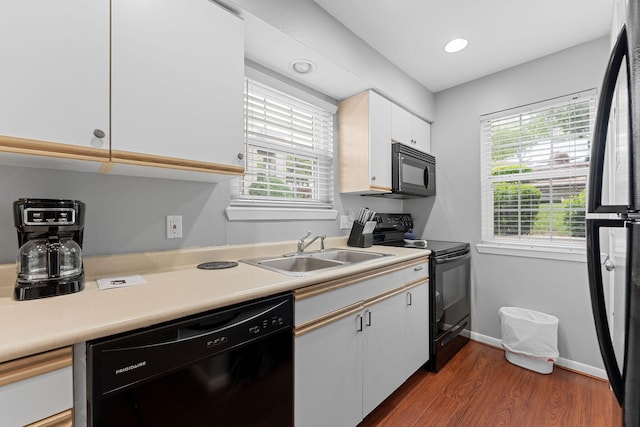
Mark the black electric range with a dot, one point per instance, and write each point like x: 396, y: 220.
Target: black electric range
x: 397, y: 230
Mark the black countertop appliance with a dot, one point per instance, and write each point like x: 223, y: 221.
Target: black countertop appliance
x: 49, y: 257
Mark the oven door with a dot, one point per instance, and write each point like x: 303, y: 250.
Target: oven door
x: 451, y: 276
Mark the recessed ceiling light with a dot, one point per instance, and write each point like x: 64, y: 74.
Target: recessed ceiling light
x: 302, y: 66
x: 456, y: 45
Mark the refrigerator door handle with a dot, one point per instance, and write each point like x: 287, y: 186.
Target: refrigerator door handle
x: 598, y: 304
x: 600, y: 130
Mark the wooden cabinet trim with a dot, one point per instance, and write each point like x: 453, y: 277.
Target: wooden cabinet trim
x: 353, y: 149
x: 63, y: 419
x: 10, y: 144
x: 319, y: 322
x: 393, y: 292
x: 379, y: 188
x: 16, y: 145
x: 415, y: 283
x: 384, y: 296
x: 320, y: 288
x: 139, y: 159
x: 31, y: 366
x: 349, y: 310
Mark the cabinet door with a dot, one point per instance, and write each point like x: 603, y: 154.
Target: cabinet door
x: 417, y: 328
x: 177, y: 81
x: 401, y: 125
x: 421, y: 134
x: 383, y: 350
x: 36, y: 387
x: 379, y: 140
x: 328, y: 374
x: 54, y: 78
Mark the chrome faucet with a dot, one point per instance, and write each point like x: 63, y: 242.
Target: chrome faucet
x: 302, y: 246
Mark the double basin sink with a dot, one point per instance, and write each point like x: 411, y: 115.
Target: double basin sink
x: 313, y: 262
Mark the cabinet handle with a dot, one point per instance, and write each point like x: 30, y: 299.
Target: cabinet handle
x: 240, y: 156
x: 359, y: 325
x: 368, y: 314
x: 99, y: 133
x: 373, y: 178
x: 409, y: 299
x: 417, y: 269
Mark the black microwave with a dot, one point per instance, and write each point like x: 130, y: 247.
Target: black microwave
x: 413, y: 172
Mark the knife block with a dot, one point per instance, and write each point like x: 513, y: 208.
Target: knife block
x: 357, y: 238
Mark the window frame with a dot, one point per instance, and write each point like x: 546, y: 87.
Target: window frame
x: 565, y: 248
x: 243, y: 208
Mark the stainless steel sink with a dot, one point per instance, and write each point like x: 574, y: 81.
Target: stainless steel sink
x: 349, y: 256
x: 313, y: 262
x: 298, y: 264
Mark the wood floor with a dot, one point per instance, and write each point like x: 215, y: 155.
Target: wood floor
x: 479, y: 387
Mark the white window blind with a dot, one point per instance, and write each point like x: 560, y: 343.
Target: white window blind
x: 534, y: 166
x: 288, y: 151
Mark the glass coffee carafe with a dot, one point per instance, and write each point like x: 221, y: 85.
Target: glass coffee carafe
x: 49, y: 259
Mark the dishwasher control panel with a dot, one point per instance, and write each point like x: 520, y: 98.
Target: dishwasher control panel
x: 129, y: 358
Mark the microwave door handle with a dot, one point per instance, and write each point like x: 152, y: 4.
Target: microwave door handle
x: 399, y: 163
x: 594, y: 196
x: 426, y: 176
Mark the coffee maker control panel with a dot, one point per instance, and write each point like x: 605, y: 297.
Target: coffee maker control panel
x: 49, y: 216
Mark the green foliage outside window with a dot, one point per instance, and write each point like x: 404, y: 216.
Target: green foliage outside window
x: 515, y: 204
x: 269, y: 186
x: 574, y: 214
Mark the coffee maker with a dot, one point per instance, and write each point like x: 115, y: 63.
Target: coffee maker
x: 49, y: 260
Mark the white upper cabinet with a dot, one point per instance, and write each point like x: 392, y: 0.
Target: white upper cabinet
x: 364, y: 129
x: 401, y: 125
x: 177, y: 72
x: 379, y: 141
x: 421, y: 134
x: 165, y: 78
x: 410, y: 129
x: 54, y: 78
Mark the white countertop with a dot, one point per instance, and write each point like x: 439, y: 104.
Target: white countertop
x: 175, y: 288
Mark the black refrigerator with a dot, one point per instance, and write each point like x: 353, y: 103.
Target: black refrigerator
x: 613, y: 218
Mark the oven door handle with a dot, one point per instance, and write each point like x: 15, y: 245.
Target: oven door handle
x: 454, y: 259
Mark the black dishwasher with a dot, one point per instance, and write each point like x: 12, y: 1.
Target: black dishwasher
x: 229, y: 367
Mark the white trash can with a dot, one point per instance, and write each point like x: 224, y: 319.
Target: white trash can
x: 529, y: 338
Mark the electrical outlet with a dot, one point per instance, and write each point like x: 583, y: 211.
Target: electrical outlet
x: 174, y: 227
x: 345, y: 222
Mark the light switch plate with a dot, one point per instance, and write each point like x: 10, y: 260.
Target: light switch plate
x: 174, y: 226
x: 345, y: 222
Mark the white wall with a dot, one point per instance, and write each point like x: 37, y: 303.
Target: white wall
x: 309, y: 24
x: 127, y: 214
x: 555, y: 287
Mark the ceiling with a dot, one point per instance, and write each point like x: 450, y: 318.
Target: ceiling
x: 501, y: 33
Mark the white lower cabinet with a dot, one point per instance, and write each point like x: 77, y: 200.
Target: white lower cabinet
x: 37, y: 390
x: 416, y: 328
x: 348, y: 360
x: 334, y: 399
x: 383, y: 350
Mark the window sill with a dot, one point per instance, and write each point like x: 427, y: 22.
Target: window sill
x: 245, y: 213
x: 560, y: 254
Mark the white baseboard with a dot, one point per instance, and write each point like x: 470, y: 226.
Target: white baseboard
x: 565, y: 363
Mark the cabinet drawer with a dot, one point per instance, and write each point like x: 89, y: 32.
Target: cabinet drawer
x: 36, y: 387
x: 317, y: 300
